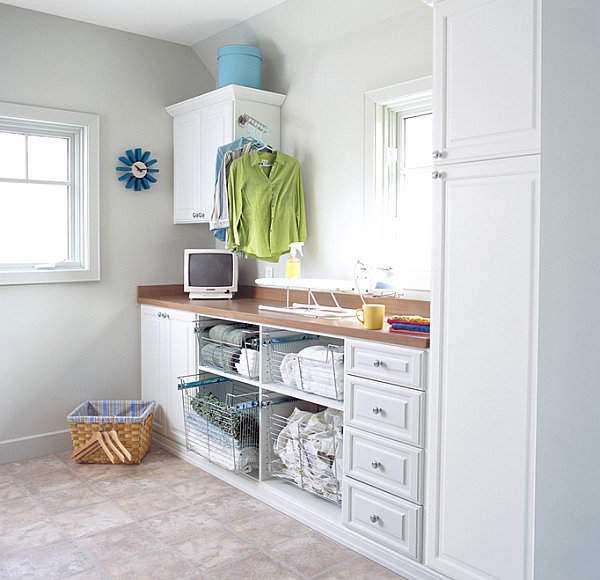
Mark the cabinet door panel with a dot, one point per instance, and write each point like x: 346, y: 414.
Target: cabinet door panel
x: 217, y: 130
x: 483, y: 392
x: 152, y: 349
x: 487, y: 74
x: 186, y: 152
x: 182, y: 361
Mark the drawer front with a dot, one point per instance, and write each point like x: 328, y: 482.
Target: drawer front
x: 388, y: 465
x: 386, y: 519
x: 394, y: 412
x: 393, y: 364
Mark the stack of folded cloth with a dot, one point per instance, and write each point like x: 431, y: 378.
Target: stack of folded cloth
x: 410, y: 324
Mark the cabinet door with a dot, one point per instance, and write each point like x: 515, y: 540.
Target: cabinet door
x: 182, y: 361
x: 217, y: 129
x: 153, y: 348
x: 486, y: 79
x: 187, y: 143
x: 482, y: 399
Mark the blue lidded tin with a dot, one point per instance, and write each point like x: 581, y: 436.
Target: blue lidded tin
x: 240, y: 64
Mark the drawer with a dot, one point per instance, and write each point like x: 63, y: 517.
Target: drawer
x: 388, y: 465
x: 384, y: 518
x: 388, y: 410
x: 383, y: 362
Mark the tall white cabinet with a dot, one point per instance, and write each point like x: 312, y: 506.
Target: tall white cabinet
x: 481, y: 423
x: 200, y: 126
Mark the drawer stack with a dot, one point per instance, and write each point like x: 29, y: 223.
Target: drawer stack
x: 383, y: 442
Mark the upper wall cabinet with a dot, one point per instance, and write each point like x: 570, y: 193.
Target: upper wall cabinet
x: 486, y: 79
x: 200, y: 126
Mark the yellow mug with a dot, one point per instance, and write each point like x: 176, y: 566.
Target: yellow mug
x: 372, y: 316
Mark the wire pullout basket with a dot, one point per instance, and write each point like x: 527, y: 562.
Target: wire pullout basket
x: 309, y: 363
x: 221, y: 421
x: 305, y: 448
x: 230, y: 347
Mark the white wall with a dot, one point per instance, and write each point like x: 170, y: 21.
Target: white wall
x: 568, y: 443
x: 324, y: 56
x: 61, y: 344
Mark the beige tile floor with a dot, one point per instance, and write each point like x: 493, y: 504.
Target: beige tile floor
x: 161, y: 519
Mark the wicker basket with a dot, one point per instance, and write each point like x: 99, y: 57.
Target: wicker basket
x: 132, y: 420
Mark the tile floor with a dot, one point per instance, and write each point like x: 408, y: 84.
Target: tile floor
x: 161, y: 519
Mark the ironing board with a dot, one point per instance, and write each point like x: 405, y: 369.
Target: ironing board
x: 311, y: 285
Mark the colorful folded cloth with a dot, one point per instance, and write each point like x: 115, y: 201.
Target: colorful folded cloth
x: 407, y: 326
x: 413, y: 332
x: 406, y: 318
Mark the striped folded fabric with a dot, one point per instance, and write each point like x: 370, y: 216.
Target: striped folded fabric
x: 408, y: 319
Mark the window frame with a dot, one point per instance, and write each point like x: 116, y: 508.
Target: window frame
x: 399, y: 101
x: 83, y: 131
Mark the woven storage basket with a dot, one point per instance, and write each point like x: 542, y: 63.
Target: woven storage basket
x: 132, y: 420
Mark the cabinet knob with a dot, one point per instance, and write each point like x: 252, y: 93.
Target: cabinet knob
x: 377, y: 363
x: 374, y: 518
x: 375, y: 464
x: 436, y: 174
x: 377, y: 410
x: 436, y: 153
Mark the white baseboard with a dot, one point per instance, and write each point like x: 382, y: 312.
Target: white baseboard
x: 35, y: 446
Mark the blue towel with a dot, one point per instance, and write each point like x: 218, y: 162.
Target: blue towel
x: 413, y: 327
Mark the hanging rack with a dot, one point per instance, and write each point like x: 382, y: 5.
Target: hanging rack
x: 247, y: 121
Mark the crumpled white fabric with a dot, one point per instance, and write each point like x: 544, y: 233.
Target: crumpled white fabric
x: 315, y: 369
x: 310, y: 450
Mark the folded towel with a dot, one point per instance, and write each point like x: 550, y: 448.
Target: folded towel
x: 407, y: 326
x: 315, y: 369
x: 406, y: 318
x: 248, y: 363
x: 220, y: 447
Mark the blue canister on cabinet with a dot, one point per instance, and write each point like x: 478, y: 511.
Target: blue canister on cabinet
x: 240, y: 64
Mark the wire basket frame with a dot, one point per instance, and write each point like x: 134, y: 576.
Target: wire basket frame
x: 309, y: 363
x: 306, y: 450
x: 221, y: 421
x: 240, y: 357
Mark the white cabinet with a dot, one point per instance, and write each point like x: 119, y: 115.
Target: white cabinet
x: 484, y: 344
x: 481, y: 405
x: 200, y: 126
x: 486, y: 79
x: 383, y: 444
x: 168, y: 351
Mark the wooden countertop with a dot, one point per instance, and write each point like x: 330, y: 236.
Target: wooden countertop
x: 244, y: 307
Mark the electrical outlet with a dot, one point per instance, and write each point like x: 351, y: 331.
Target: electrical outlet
x: 268, y: 271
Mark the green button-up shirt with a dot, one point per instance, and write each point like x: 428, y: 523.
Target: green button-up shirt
x: 266, y: 205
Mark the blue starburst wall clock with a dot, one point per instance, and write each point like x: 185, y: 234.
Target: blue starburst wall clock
x: 138, y: 169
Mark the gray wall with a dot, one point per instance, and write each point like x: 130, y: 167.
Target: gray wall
x: 324, y: 56
x: 568, y: 442
x: 61, y: 344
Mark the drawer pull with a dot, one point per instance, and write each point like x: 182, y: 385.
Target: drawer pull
x: 377, y: 363
x: 377, y: 410
x: 374, y: 518
x: 375, y: 464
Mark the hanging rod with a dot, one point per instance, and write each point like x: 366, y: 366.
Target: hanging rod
x: 247, y: 119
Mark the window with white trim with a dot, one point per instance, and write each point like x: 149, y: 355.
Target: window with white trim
x: 48, y: 195
x: 398, y: 200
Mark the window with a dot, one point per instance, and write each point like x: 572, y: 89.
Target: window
x: 48, y: 195
x: 398, y: 196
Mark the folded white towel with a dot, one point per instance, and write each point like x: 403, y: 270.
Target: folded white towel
x: 315, y: 369
x: 248, y: 363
